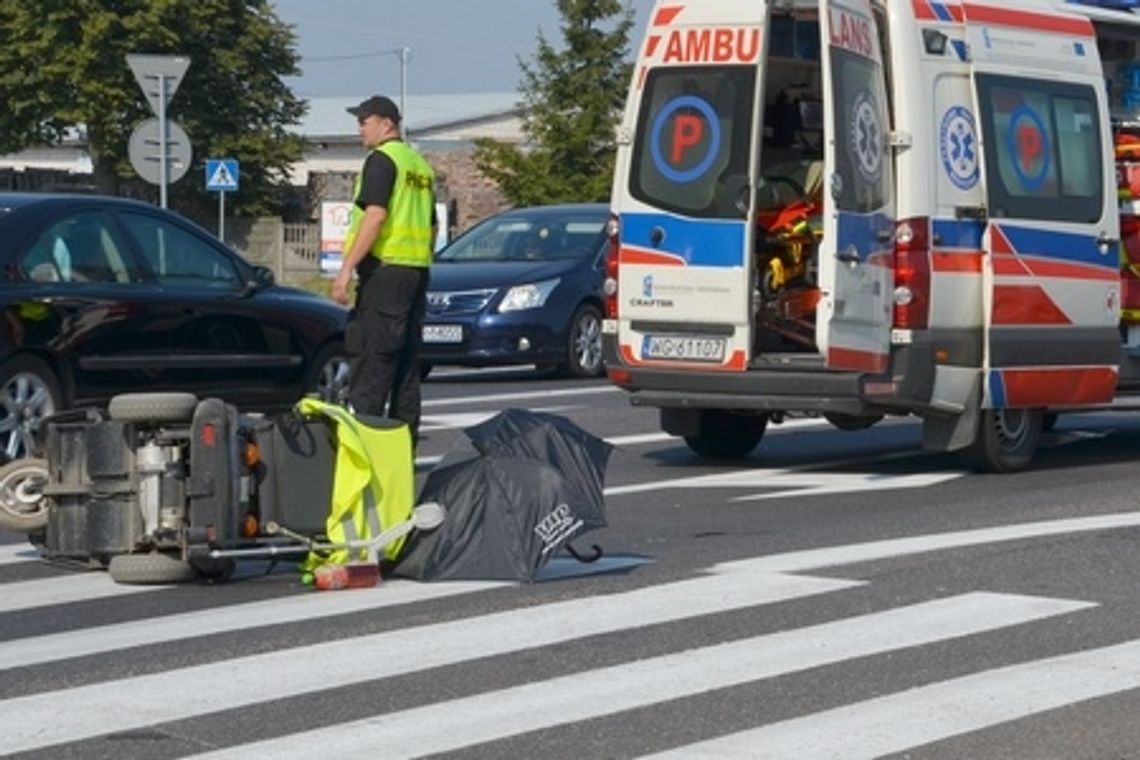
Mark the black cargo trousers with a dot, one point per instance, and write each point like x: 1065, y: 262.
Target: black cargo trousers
x: 383, y: 343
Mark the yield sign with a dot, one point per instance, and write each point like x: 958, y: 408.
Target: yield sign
x: 158, y: 75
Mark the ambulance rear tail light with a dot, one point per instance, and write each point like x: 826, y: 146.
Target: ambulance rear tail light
x: 912, y: 274
x: 610, y: 283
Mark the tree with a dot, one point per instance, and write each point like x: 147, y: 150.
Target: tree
x: 572, y: 101
x: 63, y: 66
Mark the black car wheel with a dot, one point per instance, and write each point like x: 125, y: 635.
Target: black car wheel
x: 584, y: 345
x: 328, y: 375
x: 29, y: 392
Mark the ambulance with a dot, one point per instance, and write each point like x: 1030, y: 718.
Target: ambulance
x: 861, y: 208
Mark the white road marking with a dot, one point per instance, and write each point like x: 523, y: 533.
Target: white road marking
x: 894, y: 723
x: 63, y: 589
x: 11, y: 554
x: 491, y: 716
x: 836, y: 556
x: 108, y: 638
x: 33, y: 721
x: 495, y: 398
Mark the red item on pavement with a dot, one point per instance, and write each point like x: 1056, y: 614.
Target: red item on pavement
x: 352, y: 575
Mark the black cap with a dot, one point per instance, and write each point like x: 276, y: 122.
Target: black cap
x: 377, y: 105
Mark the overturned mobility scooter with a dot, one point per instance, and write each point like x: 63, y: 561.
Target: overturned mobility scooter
x: 164, y: 487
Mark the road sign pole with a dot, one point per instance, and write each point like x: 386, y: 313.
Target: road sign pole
x: 222, y: 215
x: 162, y: 154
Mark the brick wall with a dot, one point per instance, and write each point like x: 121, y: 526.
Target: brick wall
x: 460, y: 180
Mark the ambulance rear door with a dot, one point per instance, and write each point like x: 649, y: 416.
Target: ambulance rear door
x: 1050, y: 226
x: 683, y: 197
x: 856, y: 254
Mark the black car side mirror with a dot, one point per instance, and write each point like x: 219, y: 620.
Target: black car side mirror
x: 262, y: 278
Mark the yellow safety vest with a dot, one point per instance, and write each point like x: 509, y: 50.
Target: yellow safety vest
x: 405, y: 237
x: 373, y: 483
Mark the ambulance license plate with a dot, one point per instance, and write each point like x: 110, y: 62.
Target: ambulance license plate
x: 443, y: 333
x: 688, y: 348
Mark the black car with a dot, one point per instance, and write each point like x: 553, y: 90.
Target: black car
x: 103, y: 296
x: 521, y: 287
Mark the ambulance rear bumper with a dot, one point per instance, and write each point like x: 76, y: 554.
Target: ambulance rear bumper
x: 802, y: 384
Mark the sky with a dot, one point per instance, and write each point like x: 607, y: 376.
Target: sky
x: 348, y: 47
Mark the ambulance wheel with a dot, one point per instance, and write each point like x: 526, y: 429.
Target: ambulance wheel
x: 849, y: 422
x: 153, y: 407
x: 23, y: 508
x: 152, y: 568
x: 1007, y: 440
x: 724, y: 435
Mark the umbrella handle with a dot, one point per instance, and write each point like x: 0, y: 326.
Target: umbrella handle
x: 582, y: 558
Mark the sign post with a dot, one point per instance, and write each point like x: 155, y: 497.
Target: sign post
x: 159, y: 77
x: 222, y: 177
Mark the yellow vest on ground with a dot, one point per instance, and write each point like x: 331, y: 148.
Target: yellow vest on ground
x: 373, y: 483
x: 405, y: 237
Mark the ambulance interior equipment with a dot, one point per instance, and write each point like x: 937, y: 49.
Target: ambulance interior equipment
x: 164, y: 488
x: 857, y: 208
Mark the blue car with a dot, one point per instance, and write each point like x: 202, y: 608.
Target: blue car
x: 521, y: 287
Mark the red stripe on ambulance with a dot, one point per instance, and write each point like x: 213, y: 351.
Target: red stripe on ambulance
x: 1059, y: 385
x: 666, y: 15
x: 1037, y: 22
x: 1025, y: 305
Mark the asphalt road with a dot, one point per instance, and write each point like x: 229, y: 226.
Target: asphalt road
x: 834, y: 594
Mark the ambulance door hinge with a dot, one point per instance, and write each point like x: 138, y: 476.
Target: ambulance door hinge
x: 899, y: 139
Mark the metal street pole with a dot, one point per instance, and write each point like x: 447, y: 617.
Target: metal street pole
x: 403, y: 91
x: 163, y: 167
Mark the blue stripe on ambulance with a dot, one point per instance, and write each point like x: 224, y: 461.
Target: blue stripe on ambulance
x: 997, y: 389
x: 705, y: 243
x: 1073, y: 248
x: 954, y: 233
x: 862, y: 231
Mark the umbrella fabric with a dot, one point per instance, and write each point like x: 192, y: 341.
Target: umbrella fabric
x: 516, y: 490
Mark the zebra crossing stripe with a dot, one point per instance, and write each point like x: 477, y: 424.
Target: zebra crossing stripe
x: 63, y: 589
x: 11, y: 554
x: 36, y: 650
x: 492, y: 716
x: 96, y: 709
x: 894, y: 723
x: 835, y: 556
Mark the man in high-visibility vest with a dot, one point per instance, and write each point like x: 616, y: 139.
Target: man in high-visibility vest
x: 389, y: 246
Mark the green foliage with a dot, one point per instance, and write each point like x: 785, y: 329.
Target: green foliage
x: 572, y: 100
x: 63, y: 64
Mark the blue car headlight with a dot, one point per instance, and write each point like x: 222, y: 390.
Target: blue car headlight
x: 529, y: 296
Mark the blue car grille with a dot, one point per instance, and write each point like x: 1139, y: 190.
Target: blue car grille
x: 460, y: 302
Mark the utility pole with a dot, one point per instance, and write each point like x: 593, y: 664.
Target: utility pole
x: 404, y: 51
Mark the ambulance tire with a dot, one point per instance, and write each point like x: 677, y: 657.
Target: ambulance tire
x: 726, y: 436
x: 150, y: 569
x: 849, y: 422
x: 1007, y: 440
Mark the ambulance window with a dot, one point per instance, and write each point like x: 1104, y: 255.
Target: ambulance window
x: 693, y: 140
x: 861, y: 158
x: 1042, y: 149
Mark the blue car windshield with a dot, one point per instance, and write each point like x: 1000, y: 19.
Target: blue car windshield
x: 528, y: 238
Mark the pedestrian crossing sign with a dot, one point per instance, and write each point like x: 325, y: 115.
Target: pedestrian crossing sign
x: 222, y: 174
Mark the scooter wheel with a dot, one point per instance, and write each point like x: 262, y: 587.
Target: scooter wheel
x: 153, y: 568
x: 23, y: 507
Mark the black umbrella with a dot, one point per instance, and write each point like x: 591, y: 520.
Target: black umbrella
x: 517, y: 490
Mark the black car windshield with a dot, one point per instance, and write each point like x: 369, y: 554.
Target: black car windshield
x: 528, y: 238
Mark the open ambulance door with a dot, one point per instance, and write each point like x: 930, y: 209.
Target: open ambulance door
x: 687, y: 236
x: 1050, y: 228
x: 856, y: 278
